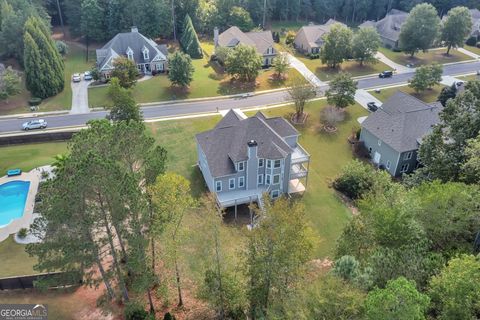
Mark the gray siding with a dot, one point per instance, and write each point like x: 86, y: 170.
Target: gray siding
x: 403, y: 160
x: 202, y: 162
x: 292, y: 141
x: 389, y: 43
x: 387, y: 154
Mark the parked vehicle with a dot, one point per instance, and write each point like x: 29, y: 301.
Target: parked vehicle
x: 87, y: 76
x: 76, y: 77
x: 34, y: 124
x: 386, y: 74
x: 372, y: 106
x: 458, y: 83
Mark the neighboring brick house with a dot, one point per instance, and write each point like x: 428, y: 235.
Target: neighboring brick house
x: 393, y: 134
x: 389, y: 27
x: 309, y: 39
x: 243, y: 158
x: 262, y: 41
x: 147, y: 55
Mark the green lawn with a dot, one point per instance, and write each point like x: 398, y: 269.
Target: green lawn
x: 29, y: 156
x: 278, y: 26
x: 468, y: 78
x: 208, y: 81
x: 426, y: 96
x: 15, y: 261
x: 473, y: 49
x: 17, y: 103
x: 75, y: 62
x: 326, y: 73
x: 422, y: 58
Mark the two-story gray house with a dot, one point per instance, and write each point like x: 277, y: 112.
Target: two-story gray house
x: 393, y: 134
x: 243, y: 158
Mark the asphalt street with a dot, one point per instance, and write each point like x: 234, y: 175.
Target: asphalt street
x: 204, y: 106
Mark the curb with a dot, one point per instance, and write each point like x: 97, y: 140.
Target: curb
x: 34, y: 115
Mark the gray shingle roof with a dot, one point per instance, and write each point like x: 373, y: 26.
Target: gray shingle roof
x: 312, y: 35
x: 389, y: 27
x: 402, y: 121
x: 227, y: 142
x: 233, y: 36
x: 119, y: 45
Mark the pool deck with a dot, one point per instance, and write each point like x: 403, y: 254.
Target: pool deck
x: 34, y: 178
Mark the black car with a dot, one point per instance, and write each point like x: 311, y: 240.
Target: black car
x: 386, y: 74
x: 372, y: 106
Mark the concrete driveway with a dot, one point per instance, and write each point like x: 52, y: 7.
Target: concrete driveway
x: 79, y: 97
x: 363, y: 97
x: 304, y: 71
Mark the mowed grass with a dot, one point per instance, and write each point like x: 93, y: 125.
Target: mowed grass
x: 278, y: 26
x: 428, y: 96
x: 469, y: 77
x: 209, y: 80
x: 326, y: 73
x: 29, y: 156
x: 15, y: 261
x: 423, y: 58
x: 473, y: 49
x: 75, y: 62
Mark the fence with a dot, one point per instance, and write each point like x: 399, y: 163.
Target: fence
x: 36, y: 137
x: 26, y: 282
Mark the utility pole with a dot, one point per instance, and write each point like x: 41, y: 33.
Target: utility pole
x: 174, y: 22
x: 61, y: 17
x: 264, y: 13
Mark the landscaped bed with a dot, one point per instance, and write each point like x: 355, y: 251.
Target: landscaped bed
x: 429, y: 95
x: 429, y: 57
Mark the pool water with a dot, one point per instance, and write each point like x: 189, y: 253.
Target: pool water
x: 13, y: 196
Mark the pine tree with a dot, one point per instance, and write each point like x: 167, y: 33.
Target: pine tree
x: 189, y: 39
x: 43, y: 63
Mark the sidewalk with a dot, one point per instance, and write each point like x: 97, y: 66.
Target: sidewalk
x: 468, y: 53
x: 395, y: 66
x: 304, y: 71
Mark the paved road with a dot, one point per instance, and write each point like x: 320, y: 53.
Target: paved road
x: 178, y: 109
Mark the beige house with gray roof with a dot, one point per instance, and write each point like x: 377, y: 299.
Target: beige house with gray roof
x: 309, y: 39
x: 262, y: 41
x: 243, y: 158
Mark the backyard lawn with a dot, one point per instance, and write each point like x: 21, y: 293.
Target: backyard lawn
x: 426, y: 96
x: 15, y: 261
x: 325, y: 73
x: 429, y: 57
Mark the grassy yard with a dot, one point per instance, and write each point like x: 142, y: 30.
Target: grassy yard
x: 473, y: 49
x: 326, y: 73
x: 74, y: 62
x: 278, y: 26
x: 208, y: 81
x: 426, y: 96
x: 422, y: 58
x: 15, y: 261
x: 468, y: 78
x: 29, y: 156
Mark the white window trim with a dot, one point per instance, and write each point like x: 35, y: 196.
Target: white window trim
x: 146, y: 54
x: 273, y: 179
x: 277, y: 192
x: 275, y: 164
x: 230, y: 183
x: 408, y: 155
x: 130, y: 54
x: 259, y: 179
x: 242, y: 179
x: 406, y: 168
x: 242, y: 163
x: 262, y: 161
x: 268, y: 179
x: 218, y: 183
x: 388, y: 164
x: 269, y: 164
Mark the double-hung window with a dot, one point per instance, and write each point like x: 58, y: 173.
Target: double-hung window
x: 277, y: 164
x: 241, y: 166
x: 408, y: 155
x: 276, y: 179
x: 267, y: 179
x: 218, y: 186
x: 404, y: 168
x: 269, y: 164
x: 259, y: 179
x: 388, y: 164
x: 241, y: 182
x: 261, y: 163
x: 275, y: 194
x: 231, y: 183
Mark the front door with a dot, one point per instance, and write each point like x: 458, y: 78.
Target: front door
x: 376, y: 158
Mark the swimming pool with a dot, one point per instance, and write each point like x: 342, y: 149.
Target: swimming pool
x: 13, y: 196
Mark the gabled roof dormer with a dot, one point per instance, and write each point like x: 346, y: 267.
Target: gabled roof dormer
x: 129, y: 53
x: 146, y: 53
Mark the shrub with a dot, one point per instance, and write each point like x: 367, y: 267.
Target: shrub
x: 314, y: 56
x: 396, y: 49
x: 22, y: 233
x: 290, y: 38
x: 34, y: 101
x: 472, y: 41
x: 62, y: 47
x: 355, y: 180
x: 135, y: 311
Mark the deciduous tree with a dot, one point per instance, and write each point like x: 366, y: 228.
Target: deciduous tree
x: 10, y: 82
x: 341, y: 92
x: 300, y: 91
x: 244, y: 63
x: 426, y: 77
x: 337, y: 46
x: 456, y: 27
x: 365, y: 45
x: 124, y: 107
x: 125, y: 71
x: 240, y: 18
x: 281, y: 64
x: 180, y: 69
